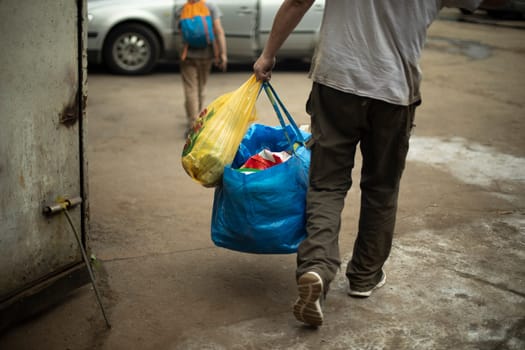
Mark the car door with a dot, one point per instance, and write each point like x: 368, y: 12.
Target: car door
x: 302, y: 41
x: 239, y: 20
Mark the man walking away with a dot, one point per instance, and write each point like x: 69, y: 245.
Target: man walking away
x: 365, y: 91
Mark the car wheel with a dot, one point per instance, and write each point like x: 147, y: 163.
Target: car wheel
x: 131, y: 49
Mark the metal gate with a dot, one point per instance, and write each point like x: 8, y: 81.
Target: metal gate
x: 42, y: 161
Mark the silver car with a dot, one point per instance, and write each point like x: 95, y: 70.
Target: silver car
x: 132, y: 36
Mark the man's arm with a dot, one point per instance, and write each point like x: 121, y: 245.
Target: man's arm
x: 221, y: 40
x: 287, y: 18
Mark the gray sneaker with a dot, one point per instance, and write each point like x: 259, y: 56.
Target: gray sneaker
x: 307, y: 308
x: 366, y: 294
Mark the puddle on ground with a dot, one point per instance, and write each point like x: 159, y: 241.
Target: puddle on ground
x: 469, y: 162
x: 472, y: 49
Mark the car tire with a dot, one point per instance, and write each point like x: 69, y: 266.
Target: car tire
x: 131, y: 49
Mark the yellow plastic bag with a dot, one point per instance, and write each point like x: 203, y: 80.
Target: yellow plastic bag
x: 217, y: 133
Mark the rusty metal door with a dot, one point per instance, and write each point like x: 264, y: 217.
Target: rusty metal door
x: 42, y: 161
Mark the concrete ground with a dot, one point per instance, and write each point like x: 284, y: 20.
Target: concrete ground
x: 456, y: 275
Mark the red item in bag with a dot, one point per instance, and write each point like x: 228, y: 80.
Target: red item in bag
x: 258, y: 162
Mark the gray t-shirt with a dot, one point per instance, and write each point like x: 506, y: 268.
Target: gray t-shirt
x: 207, y: 52
x: 371, y: 48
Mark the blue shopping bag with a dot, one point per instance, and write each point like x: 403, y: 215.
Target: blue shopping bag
x: 264, y: 212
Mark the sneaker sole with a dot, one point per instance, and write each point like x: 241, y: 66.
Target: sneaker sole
x: 358, y: 294
x: 307, y: 308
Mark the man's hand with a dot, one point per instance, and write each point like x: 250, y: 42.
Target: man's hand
x: 221, y: 62
x: 262, y: 68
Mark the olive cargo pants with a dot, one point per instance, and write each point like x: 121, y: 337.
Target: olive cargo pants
x: 339, y: 122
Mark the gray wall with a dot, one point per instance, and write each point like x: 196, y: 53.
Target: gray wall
x: 42, y: 82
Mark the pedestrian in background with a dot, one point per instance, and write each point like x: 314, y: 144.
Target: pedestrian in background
x: 196, y: 61
x: 365, y: 91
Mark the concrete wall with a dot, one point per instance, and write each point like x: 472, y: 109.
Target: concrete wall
x: 42, y: 98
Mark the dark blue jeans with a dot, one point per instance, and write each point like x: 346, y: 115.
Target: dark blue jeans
x: 340, y: 121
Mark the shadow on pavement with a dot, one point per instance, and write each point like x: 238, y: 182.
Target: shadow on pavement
x: 173, y: 67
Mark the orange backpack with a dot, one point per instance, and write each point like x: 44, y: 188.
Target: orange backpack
x: 196, y: 26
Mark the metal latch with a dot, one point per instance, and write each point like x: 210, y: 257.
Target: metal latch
x: 61, y: 205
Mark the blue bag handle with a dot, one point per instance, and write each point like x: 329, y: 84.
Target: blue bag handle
x: 273, y: 97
